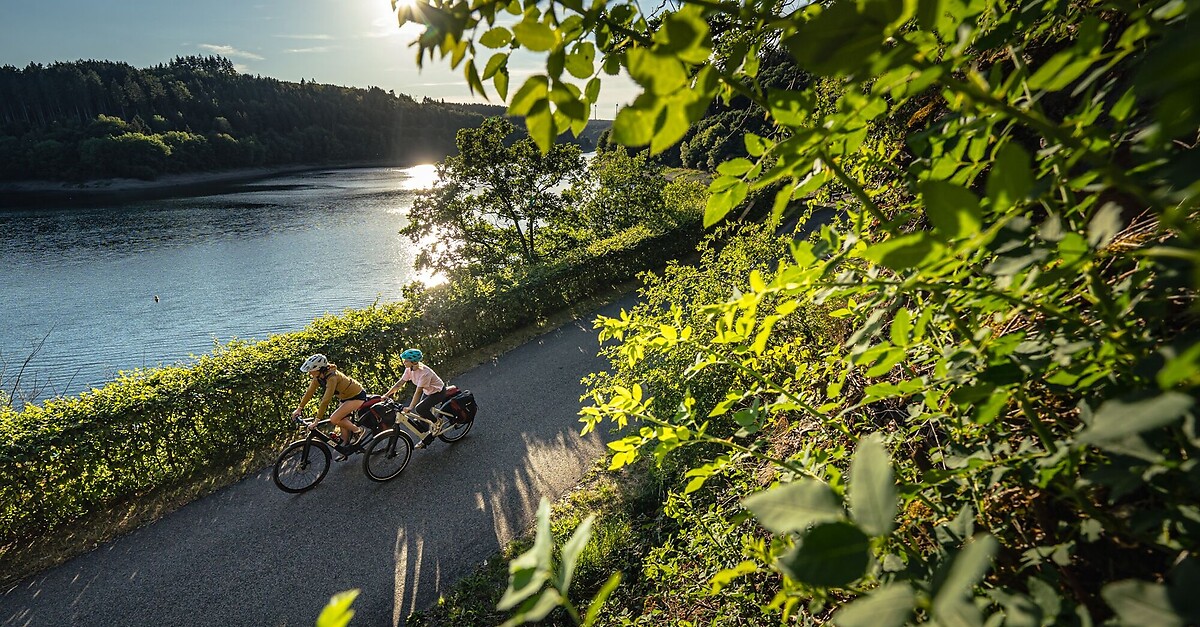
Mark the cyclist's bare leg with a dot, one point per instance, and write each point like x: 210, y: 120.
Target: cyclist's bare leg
x: 341, y: 417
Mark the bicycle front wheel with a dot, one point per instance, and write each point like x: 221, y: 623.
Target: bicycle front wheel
x: 301, y: 466
x: 387, y: 455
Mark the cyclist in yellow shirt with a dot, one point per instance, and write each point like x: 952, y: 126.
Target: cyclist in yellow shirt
x: 346, y: 389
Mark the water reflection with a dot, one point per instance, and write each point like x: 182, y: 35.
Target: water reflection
x: 265, y: 258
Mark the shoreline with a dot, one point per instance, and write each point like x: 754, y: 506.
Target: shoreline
x: 40, y: 194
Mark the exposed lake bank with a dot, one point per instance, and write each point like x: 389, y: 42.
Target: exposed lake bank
x: 14, y: 194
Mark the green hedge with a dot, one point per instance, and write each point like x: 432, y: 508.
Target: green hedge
x: 160, y: 427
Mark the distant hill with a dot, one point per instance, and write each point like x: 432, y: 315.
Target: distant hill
x: 87, y: 120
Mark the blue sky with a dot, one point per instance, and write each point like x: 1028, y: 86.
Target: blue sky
x: 342, y: 42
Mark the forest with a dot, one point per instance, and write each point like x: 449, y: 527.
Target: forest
x: 81, y: 120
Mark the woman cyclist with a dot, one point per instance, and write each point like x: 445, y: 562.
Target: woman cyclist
x: 427, y: 381
x: 348, y: 391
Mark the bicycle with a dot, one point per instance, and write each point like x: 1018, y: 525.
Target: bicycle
x: 388, y: 451
x: 304, y: 463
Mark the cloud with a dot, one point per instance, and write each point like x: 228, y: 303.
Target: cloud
x: 316, y: 37
x: 231, y: 52
x: 312, y: 49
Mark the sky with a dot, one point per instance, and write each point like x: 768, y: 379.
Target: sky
x: 354, y: 43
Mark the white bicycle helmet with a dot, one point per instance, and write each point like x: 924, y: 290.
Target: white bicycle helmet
x: 316, y: 362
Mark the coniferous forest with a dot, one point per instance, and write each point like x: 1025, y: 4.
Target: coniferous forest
x: 81, y: 120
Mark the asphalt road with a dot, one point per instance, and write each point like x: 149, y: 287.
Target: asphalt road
x: 251, y: 554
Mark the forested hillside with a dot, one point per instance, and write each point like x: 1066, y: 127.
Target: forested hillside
x: 94, y: 119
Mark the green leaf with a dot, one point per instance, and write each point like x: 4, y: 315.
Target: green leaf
x: 540, y: 123
x: 790, y: 108
x: 337, y: 612
x: 601, y: 597
x: 496, y: 38
x: 581, y: 60
x: 536, y: 608
x: 953, y: 209
x: 670, y: 126
x: 634, y: 125
x: 906, y: 251
x: 1117, y: 419
x: 566, y: 99
x: 885, y: 360
x: 722, y: 202
x: 872, y: 487
x: 722, y: 579
x: 530, y: 570
x: 661, y: 75
x: 498, y: 60
x: 1011, y: 178
x: 839, y: 39
x: 500, y: 80
x: 1184, y: 366
x: 535, y: 89
x: 473, y: 83
x: 1141, y: 603
x: 1104, y: 225
x: 684, y: 34
x: 968, y: 568
x: 831, y: 555
x: 571, y: 551
x: 735, y: 167
x: 534, y: 35
x: 887, y: 606
x: 902, y: 327
x: 795, y: 506
x: 1060, y: 71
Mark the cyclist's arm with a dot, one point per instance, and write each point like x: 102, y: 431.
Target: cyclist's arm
x: 395, y: 388
x: 416, y: 397
x: 312, y: 387
x: 325, y: 401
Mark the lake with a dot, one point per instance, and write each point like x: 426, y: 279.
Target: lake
x: 94, y: 290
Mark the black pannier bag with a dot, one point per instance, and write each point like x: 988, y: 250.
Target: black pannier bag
x: 379, y: 415
x: 462, y: 406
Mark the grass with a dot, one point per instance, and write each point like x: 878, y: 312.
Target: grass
x: 619, y: 500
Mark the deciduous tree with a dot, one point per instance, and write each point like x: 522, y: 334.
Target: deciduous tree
x: 496, y: 205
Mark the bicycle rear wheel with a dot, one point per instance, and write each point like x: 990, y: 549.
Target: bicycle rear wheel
x: 456, y: 432
x: 301, y: 466
x: 387, y: 455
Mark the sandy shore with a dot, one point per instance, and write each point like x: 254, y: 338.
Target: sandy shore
x: 40, y: 193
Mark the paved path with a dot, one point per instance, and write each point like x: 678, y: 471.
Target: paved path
x: 252, y: 555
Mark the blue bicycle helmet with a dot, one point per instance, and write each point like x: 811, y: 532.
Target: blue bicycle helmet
x: 411, y: 354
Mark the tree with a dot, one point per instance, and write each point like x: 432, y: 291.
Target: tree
x: 495, y: 206
x: 619, y: 191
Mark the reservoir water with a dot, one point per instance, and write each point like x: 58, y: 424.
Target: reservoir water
x: 91, y: 291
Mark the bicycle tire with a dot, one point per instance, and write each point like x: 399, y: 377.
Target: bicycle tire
x: 306, y: 474
x: 456, y: 432
x: 387, y: 455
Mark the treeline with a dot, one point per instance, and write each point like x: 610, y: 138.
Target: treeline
x: 96, y: 119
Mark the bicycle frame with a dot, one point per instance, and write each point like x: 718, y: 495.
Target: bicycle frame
x: 326, y: 439
x: 410, y: 420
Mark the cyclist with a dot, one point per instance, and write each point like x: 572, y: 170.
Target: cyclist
x: 427, y: 381
x: 348, y: 391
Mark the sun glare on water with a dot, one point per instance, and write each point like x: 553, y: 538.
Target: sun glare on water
x: 420, y: 177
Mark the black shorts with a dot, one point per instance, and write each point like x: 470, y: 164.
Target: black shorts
x: 362, y: 396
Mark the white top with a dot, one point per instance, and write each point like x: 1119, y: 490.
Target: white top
x: 424, y: 378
